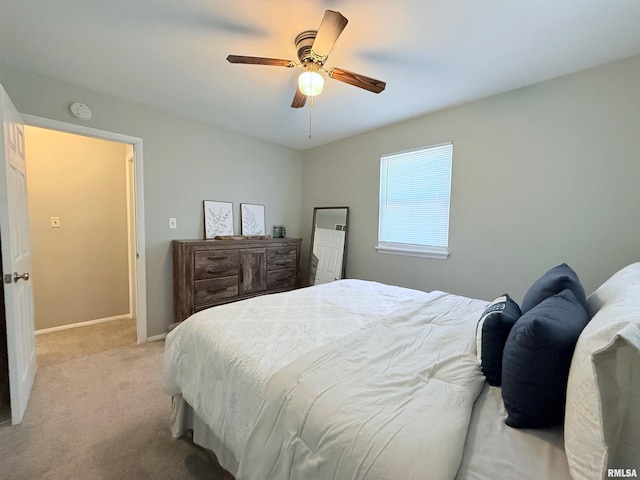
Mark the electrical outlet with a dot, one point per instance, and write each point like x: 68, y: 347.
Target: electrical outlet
x: 173, y: 223
x: 55, y: 222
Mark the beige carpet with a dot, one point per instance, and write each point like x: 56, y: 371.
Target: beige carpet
x: 101, y: 416
x: 63, y: 345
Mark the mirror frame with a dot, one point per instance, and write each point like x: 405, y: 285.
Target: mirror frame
x: 346, y: 237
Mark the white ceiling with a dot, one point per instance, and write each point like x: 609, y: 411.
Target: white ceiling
x: 433, y: 54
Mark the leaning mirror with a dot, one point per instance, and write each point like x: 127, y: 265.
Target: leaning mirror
x: 328, y: 256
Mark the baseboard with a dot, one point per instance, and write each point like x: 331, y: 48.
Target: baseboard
x: 83, y: 324
x: 157, y: 338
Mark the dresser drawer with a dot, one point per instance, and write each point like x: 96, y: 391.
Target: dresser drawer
x: 210, y: 291
x: 282, y: 257
x: 281, y: 278
x: 216, y: 263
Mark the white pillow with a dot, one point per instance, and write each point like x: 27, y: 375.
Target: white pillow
x: 597, y: 393
x: 618, y: 375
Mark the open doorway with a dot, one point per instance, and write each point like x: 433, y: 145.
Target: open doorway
x: 81, y: 222
x: 110, y: 240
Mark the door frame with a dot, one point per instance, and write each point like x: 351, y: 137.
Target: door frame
x: 139, y: 272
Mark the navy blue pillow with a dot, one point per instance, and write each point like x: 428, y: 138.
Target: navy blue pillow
x: 536, y: 361
x: 552, y: 282
x: 491, y: 334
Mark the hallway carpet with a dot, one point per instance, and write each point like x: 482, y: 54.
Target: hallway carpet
x: 63, y: 345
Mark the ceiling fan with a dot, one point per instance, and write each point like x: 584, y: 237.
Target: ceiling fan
x: 313, y: 50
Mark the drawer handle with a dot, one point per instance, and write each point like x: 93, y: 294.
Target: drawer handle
x: 282, y: 262
x: 219, y: 257
x: 217, y: 290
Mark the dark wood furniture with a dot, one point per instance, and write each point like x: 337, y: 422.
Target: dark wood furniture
x: 212, y: 272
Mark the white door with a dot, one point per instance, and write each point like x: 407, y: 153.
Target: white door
x: 16, y: 260
x: 328, y: 246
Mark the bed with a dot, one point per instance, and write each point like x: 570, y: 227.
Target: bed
x: 357, y: 379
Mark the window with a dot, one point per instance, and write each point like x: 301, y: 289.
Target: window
x: 415, y: 189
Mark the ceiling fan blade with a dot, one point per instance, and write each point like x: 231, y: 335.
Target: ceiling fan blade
x: 330, y: 29
x: 276, y: 62
x: 357, y: 80
x: 299, y: 99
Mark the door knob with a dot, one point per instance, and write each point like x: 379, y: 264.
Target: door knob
x: 24, y: 276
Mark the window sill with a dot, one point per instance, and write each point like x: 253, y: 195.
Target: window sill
x: 414, y: 251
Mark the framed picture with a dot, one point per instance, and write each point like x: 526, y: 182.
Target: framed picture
x: 252, y: 219
x: 218, y: 218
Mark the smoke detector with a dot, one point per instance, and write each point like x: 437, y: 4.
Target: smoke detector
x: 80, y: 110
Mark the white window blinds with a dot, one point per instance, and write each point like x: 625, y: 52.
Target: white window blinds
x: 415, y: 190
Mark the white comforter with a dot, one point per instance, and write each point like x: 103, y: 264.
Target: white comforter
x: 367, y: 380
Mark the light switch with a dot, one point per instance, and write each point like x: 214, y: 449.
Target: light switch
x: 173, y: 223
x: 55, y: 222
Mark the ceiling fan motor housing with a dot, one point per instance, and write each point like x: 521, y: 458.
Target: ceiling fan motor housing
x: 304, y: 42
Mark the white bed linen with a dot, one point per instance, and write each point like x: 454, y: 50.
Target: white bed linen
x: 392, y: 400
x: 494, y: 450
x: 221, y: 359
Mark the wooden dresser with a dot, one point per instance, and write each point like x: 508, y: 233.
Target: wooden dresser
x: 211, y: 272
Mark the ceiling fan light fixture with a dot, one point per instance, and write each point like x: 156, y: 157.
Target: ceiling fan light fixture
x: 310, y: 83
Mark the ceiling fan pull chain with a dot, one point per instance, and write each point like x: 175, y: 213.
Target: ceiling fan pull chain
x: 310, y: 105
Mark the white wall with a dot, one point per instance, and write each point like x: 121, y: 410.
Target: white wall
x: 185, y: 162
x: 541, y: 175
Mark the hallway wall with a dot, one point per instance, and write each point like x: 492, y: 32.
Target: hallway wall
x: 80, y: 270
